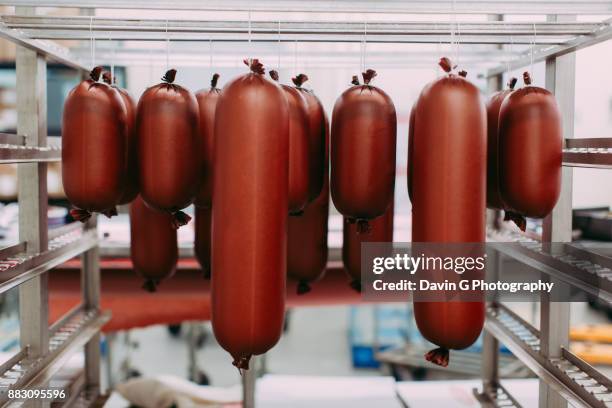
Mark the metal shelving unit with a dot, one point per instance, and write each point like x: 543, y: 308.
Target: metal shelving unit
x: 44, y: 350
x: 563, y: 376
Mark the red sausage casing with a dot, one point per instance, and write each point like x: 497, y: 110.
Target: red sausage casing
x: 307, y: 238
x: 131, y: 180
x: 207, y: 104
x: 167, y: 126
x: 94, y: 146
x: 202, y: 238
x: 494, y: 200
x: 317, y: 128
x: 250, y: 201
x: 299, y: 154
x: 363, y: 140
x: 448, y: 197
x: 153, y: 244
x: 381, y: 230
x: 410, y: 150
x: 530, y: 152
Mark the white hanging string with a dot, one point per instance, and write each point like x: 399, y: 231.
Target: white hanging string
x: 295, y: 58
x: 278, y: 62
x: 92, y: 42
x: 511, y: 54
x: 250, y: 45
x: 167, y: 47
x: 210, y: 53
x: 364, y: 45
x: 533, y: 43
x: 458, y: 45
x: 454, y: 46
x: 112, y: 63
x: 438, y: 51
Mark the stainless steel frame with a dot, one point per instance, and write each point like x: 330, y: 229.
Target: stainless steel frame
x: 44, y: 349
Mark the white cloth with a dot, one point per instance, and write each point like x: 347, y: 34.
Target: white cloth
x: 165, y: 391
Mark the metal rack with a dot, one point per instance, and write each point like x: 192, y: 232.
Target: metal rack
x: 45, y: 350
x: 563, y: 376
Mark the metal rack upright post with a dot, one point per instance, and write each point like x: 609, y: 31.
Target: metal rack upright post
x: 44, y: 349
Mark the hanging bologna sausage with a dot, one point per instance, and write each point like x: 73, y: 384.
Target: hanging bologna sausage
x: 250, y: 201
x: 153, y: 247
x: 410, y: 151
x: 202, y: 238
x: 381, y: 230
x: 94, y: 147
x: 207, y: 103
x: 167, y: 128
x: 317, y: 133
x: 298, y: 148
x: 307, y: 237
x: 448, y: 196
x: 131, y: 178
x: 494, y: 200
x: 363, y: 152
x: 530, y: 153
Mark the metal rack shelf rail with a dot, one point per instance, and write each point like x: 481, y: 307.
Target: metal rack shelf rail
x: 556, y: 43
x: 44, y: 349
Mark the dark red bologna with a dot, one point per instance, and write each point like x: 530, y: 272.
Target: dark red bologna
x: 381, y: 230
x: 131, y: 178
x: 207, y: 104
x: 530, y: 153
x: 202, y: 238
x: 94, y: 147
x: 494, y: 200
x: 317, y: 123
x: 153, y: 244
x: 250, y: 201
x: 307, y: 237
x: 363, y: 141
x: 448, y: 176
x: 167, y: 129
x: 299, y: 154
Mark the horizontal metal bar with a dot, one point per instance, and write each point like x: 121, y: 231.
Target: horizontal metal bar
x: 8, y: 138
x: 49, y: 50
x: 485, y: 32
x: 65, y: 229
x: 543, y: 53
x: 61, y: 322
x: 8, y: 364
x: 10, y: 153
x: 496, y: 396
x: 342, y: 6
x: 103, y: 26
x: 12, y: 250
x: 22, y: 267
x: 600, y: 158
x: 576, y: 266
x: 68, y: 339
x: 589, y: 142
x: 578, y: 384
x: 296, y: 37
